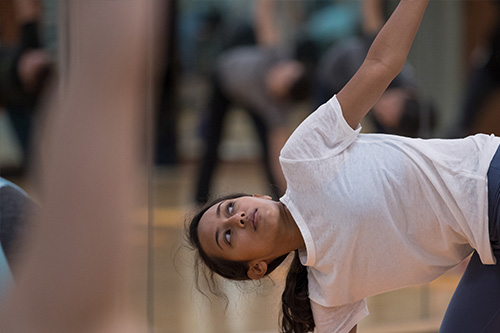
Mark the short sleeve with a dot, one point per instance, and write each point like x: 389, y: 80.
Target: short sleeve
x: 339, y: 319
x: 324, y: 133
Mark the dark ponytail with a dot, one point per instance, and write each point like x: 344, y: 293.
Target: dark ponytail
x: 296, y: 309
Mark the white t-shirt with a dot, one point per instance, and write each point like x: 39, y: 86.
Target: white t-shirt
x: 381, y: 212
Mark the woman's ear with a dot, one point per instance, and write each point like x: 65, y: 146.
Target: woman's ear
x: 262, y: 196
x: 257, y: 269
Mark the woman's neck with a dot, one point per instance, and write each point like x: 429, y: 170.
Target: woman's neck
x: 296, y: 241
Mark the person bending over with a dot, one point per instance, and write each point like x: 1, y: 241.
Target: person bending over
x: 267, y: 83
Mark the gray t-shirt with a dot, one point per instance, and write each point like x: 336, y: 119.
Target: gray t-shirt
x: 242, y: 73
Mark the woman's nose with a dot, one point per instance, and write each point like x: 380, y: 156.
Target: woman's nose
x: 239, y: 219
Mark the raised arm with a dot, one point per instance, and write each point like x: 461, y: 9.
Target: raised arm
x: 373, y: 17
x: 264, y: 21
x: 383, y: 62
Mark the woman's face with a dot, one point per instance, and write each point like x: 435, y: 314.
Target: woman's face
x: 241, y: 229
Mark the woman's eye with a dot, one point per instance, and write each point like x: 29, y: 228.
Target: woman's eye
x: 230, y: 207
x: 227, y: 236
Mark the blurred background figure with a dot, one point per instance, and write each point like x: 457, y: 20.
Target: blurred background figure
x: 71, y: 274
x: 167, y: 110
x: 483, y: 72
x: 266, y: 83
x: 24, y: 68
x: 400, y: 110
x: 256, y: 71
x: 264, y: 65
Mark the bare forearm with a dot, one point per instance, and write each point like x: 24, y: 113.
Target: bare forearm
x: 373, y: 18
x: 264, y: 18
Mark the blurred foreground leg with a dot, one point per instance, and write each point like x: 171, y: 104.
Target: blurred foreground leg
x: 73, y: 271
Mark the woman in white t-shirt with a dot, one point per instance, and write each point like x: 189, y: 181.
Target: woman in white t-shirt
x: 366, y: 213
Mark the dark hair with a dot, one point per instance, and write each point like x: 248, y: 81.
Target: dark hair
x: 296, y: 308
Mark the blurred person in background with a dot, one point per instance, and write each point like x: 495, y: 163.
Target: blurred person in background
x: 167, y: 111
x: 261, y: 69
x: 266, y: 83
x: 71, y: 272
x: 483, y: 77
x: 24, y: 70
x: 400, y: 110
x: 256, y: 71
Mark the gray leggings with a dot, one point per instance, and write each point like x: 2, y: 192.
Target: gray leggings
x: 475, y: 305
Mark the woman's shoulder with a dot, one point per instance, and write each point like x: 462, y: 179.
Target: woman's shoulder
x: 323, y: 133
